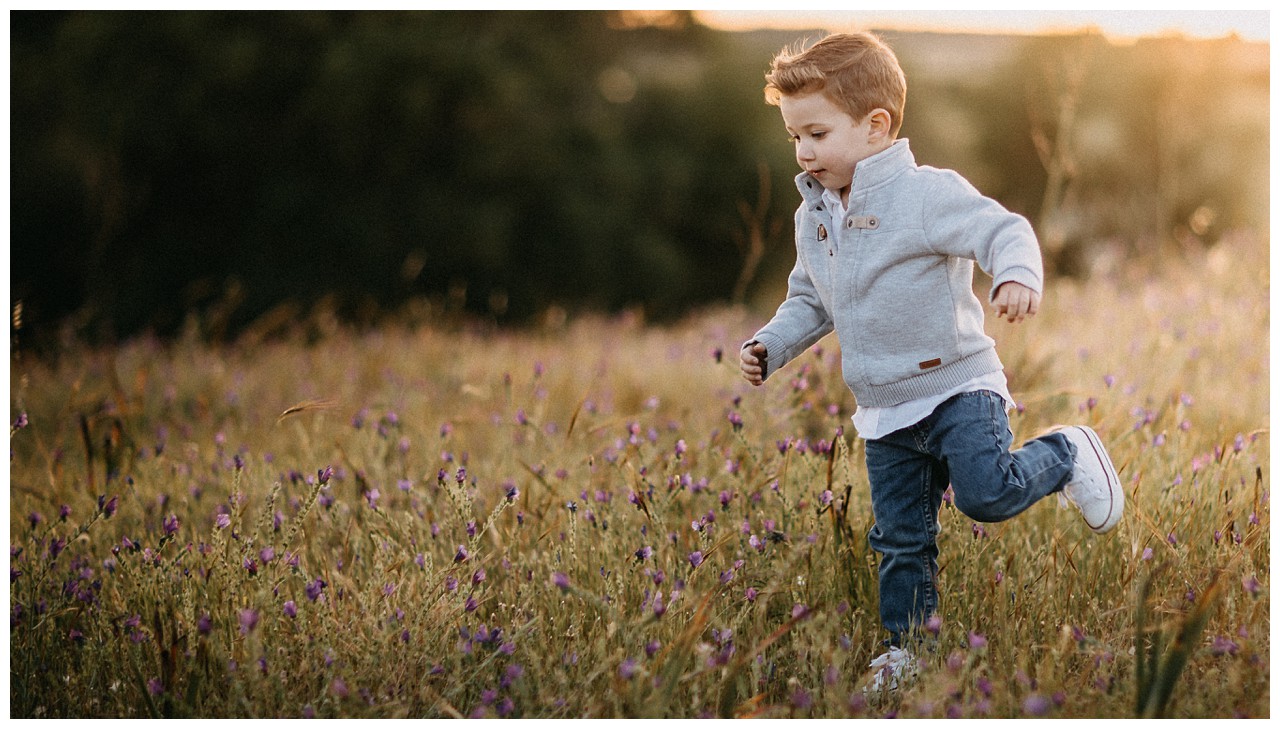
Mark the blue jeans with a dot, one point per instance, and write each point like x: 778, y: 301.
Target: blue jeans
x: 964, y: 442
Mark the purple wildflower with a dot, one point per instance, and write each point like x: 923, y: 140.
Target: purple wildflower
x: 64, y: 512
x: 290, y: 609
x: 372, y: 496
x: 1036, y: 705
x: 461, y: 555
x: 627, y: 669
x: 109, y: 507
x: 560, y: 580
x: 154, y: 686
x: 1251, y: 585
x: 266, y: 554
x: 1224, y: 646
x: 801, y: 700
x: 248, y: 621
x: 170, y: 525
x: 339, y: 687
x: 323, y: 475
x: 478, y: 576
x: 222, y: 521
x: 314, y: 589
x: 799, y: 611
x: 204, y: 625
x: 644, y: 553
x: 695, y: 559
x: 977, y: 641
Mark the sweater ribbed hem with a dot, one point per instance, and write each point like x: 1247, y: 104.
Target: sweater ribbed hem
x: 929, y: 383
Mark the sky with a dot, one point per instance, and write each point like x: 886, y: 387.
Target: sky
x: 1249, y: 24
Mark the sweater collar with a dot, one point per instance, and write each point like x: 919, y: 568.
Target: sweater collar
x: 870, y: 172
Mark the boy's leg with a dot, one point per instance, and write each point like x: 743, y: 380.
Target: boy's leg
x: 906, y: 492
x: 970, y: 433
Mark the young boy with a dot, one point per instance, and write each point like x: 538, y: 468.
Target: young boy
x: 884, y: 257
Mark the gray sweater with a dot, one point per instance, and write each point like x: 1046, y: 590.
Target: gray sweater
x: 898, y: 289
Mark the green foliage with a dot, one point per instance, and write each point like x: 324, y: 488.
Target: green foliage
x: 503, y: 162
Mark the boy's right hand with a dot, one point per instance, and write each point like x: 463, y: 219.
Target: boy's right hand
x: 754, y: 355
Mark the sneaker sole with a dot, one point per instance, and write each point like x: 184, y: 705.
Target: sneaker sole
x: 1113, y: 481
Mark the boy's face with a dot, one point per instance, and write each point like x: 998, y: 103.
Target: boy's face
x: 829, y: 142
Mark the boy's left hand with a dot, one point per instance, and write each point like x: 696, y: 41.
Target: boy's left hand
x: 1015, y: 302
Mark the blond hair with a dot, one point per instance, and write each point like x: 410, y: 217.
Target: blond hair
x: 857, y: 71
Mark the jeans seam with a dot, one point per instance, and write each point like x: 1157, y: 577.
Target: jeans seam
x: 927, y: 569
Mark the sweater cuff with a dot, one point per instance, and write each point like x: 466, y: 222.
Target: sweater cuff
x: 1028, y: 277
x: 775, y: 351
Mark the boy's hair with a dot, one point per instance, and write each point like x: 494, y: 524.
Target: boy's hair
x: 857, y: 71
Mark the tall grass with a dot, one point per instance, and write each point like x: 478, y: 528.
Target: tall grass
x: 602, y: 520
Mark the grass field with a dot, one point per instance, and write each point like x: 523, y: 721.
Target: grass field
x: 601, y: 519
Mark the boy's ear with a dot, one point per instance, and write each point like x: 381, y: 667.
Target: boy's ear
x: 881, y: 122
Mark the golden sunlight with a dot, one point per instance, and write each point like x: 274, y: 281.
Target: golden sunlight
x: 1251, y: 25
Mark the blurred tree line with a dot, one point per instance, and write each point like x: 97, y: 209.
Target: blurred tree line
x: 246, y: 166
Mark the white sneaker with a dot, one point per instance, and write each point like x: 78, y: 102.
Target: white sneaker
x: 1094, y: 487
x: 892, y: 670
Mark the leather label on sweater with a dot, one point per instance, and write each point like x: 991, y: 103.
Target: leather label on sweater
x: 930, y: 364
